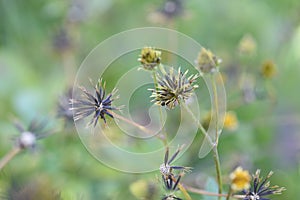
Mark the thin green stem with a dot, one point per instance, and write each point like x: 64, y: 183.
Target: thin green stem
x: 215, y: 96
x: 215, y: 147
x: 142, y: 128
x: 229, y: 194
x: 218, y: 170
x: 200, y: 126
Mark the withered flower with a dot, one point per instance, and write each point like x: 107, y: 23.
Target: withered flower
x: 97, y: 104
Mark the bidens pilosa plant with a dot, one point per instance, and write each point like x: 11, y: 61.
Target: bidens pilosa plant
x: 172, y: 87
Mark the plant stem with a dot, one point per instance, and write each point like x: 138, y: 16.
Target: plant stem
x: 215, y: 96
x: 10, y: 155
x: 218, y: 169
x: 200, y: 126
x: 142, y: 128
x: 229, y: 194
x: 215, y: 147
x: 203, y: 192
x: 159, y: 109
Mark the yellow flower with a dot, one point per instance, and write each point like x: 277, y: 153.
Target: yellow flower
x: 247, y: 45
x: 231, y: 121
x: 150, y: 58
x: 240, y: 179
x: 268, y: 69
x: 207, y: 62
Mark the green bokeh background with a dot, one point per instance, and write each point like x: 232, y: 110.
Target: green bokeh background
x: 42, y: 44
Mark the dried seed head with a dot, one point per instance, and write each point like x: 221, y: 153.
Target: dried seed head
x: 261, y: 187
x: 95, y: 103
x: 149, y: 58
x: 173, y: 87
x: 207, y: 62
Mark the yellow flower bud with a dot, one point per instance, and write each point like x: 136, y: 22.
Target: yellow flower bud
x: 150, y: 58
x: 207, y: 62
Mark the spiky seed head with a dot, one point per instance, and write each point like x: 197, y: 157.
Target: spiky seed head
x: 94, y: 103
x: 261, y: 187
x: 149, y: 58
x: 173, y: 87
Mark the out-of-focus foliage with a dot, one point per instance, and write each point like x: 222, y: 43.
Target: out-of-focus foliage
x: 42, y: 44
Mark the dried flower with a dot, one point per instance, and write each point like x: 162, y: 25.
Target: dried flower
x: 240, y: 179
x: 149, y: 58
x: 231, y: 121
x: 261, y: 188
x: 173, y: 87
x: 97, y: 104
x: 247, y: 45
x: 207, y: 62
x: 166, y: 169
x: 268, y: 69
x: 28, y: 137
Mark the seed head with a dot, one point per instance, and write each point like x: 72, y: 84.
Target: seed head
x: 149, y: 58
x: 261, y: 188
x: 173, y: 87
x: 29, y: 136
x: 97, y: 104
x: 27, y: 139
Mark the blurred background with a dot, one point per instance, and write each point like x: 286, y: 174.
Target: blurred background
x: 42, y: 44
